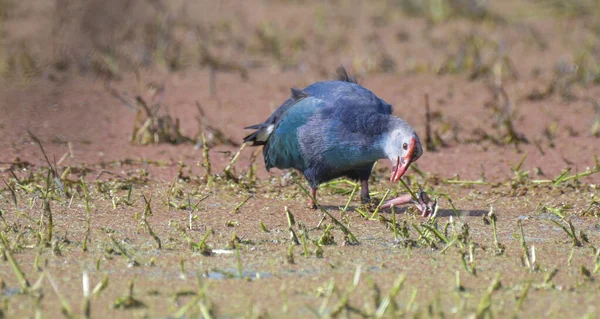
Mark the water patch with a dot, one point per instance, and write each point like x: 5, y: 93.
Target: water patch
x: 228, y: 273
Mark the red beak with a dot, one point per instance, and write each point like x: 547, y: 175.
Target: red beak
x: 402, y: 163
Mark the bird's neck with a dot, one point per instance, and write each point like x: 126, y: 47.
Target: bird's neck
x: 347, y: 155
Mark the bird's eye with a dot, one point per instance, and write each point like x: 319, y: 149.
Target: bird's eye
x: 405, y: 146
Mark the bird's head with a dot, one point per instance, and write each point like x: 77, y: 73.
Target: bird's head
x: 402, y: 146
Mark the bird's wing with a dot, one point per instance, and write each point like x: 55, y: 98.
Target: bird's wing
x: 365, y: 120
x: 264, y: 130
x: 282, y: 149
x: 344, y: 136
x: 358, y: 110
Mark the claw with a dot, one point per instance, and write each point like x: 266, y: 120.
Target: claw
x: 425, y: 204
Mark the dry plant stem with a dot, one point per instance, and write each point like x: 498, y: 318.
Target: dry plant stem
x: 180, y: 313
x: 528, y: 261
x: 564, y: 177
x: 412, y: 194
x: 229, y: 167
x: 380, y: 204
x: 304, y: 240
x: 144, y: 220
x: 122, y: 250
x: 47, y: 210
x: 595, y: 128
x: 390, y: 297
x: 12, y: 192
x: 394, y: 224
x: 465, y: 182
x: 523, y: 295
x: 207, y: 166
x: 252, y: 166
x: 436, y: 232
x: 100, y: 286
x: 65, y: 307
x: 485, y: 304
x: 350, y: 198
x: 87, y: 214
x: 499, y: 247
x: 344, y: 299
x: 597, y: 261
x: 570, y: 231
x: 291, y: 222
x: 39, y: 143
x: 86, y: 305
x: 512, y: 135
x: 239, y: 262
x: 239, y: 206
x: 13, y: 263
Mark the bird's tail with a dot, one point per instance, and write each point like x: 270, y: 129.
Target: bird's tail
x: 261, y: 135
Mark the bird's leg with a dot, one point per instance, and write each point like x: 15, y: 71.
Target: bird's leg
x: 364, y: 191
x: 311, y: 202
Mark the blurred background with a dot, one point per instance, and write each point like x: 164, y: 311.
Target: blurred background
x: 109, y: 38
x: 92, y: 73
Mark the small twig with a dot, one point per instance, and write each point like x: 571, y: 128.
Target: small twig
x: 39, y: 143
x: 528, y: 261
x: 412, y: 194
x: 13, y: 263
x: 237, y: 208
x: 65, y: 307
x: 350, y: 198
x: 380, y: 203
x: 291, y: 221
x: 144, y: 220
x: 229, y: 167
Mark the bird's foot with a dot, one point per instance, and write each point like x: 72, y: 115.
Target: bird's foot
x: 312, y: 204
x: 423, y: 203
x: 365, y: 199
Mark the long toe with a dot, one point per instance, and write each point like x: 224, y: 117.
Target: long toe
x: 398, y: 201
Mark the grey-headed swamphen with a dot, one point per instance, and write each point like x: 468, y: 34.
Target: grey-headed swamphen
x: 337, y: 128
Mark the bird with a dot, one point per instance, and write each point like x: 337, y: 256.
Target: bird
x: 336, y: 128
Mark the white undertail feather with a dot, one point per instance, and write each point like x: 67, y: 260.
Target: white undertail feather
x: 264, y: 133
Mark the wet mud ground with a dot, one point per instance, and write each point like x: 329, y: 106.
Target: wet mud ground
x: 278, y: 280
x: 226, y: 250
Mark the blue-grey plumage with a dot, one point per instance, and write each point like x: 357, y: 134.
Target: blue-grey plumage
x: 336, y: 128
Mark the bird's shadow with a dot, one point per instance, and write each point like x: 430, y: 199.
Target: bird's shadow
x: 466, y: 212
x: 440, y: 213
